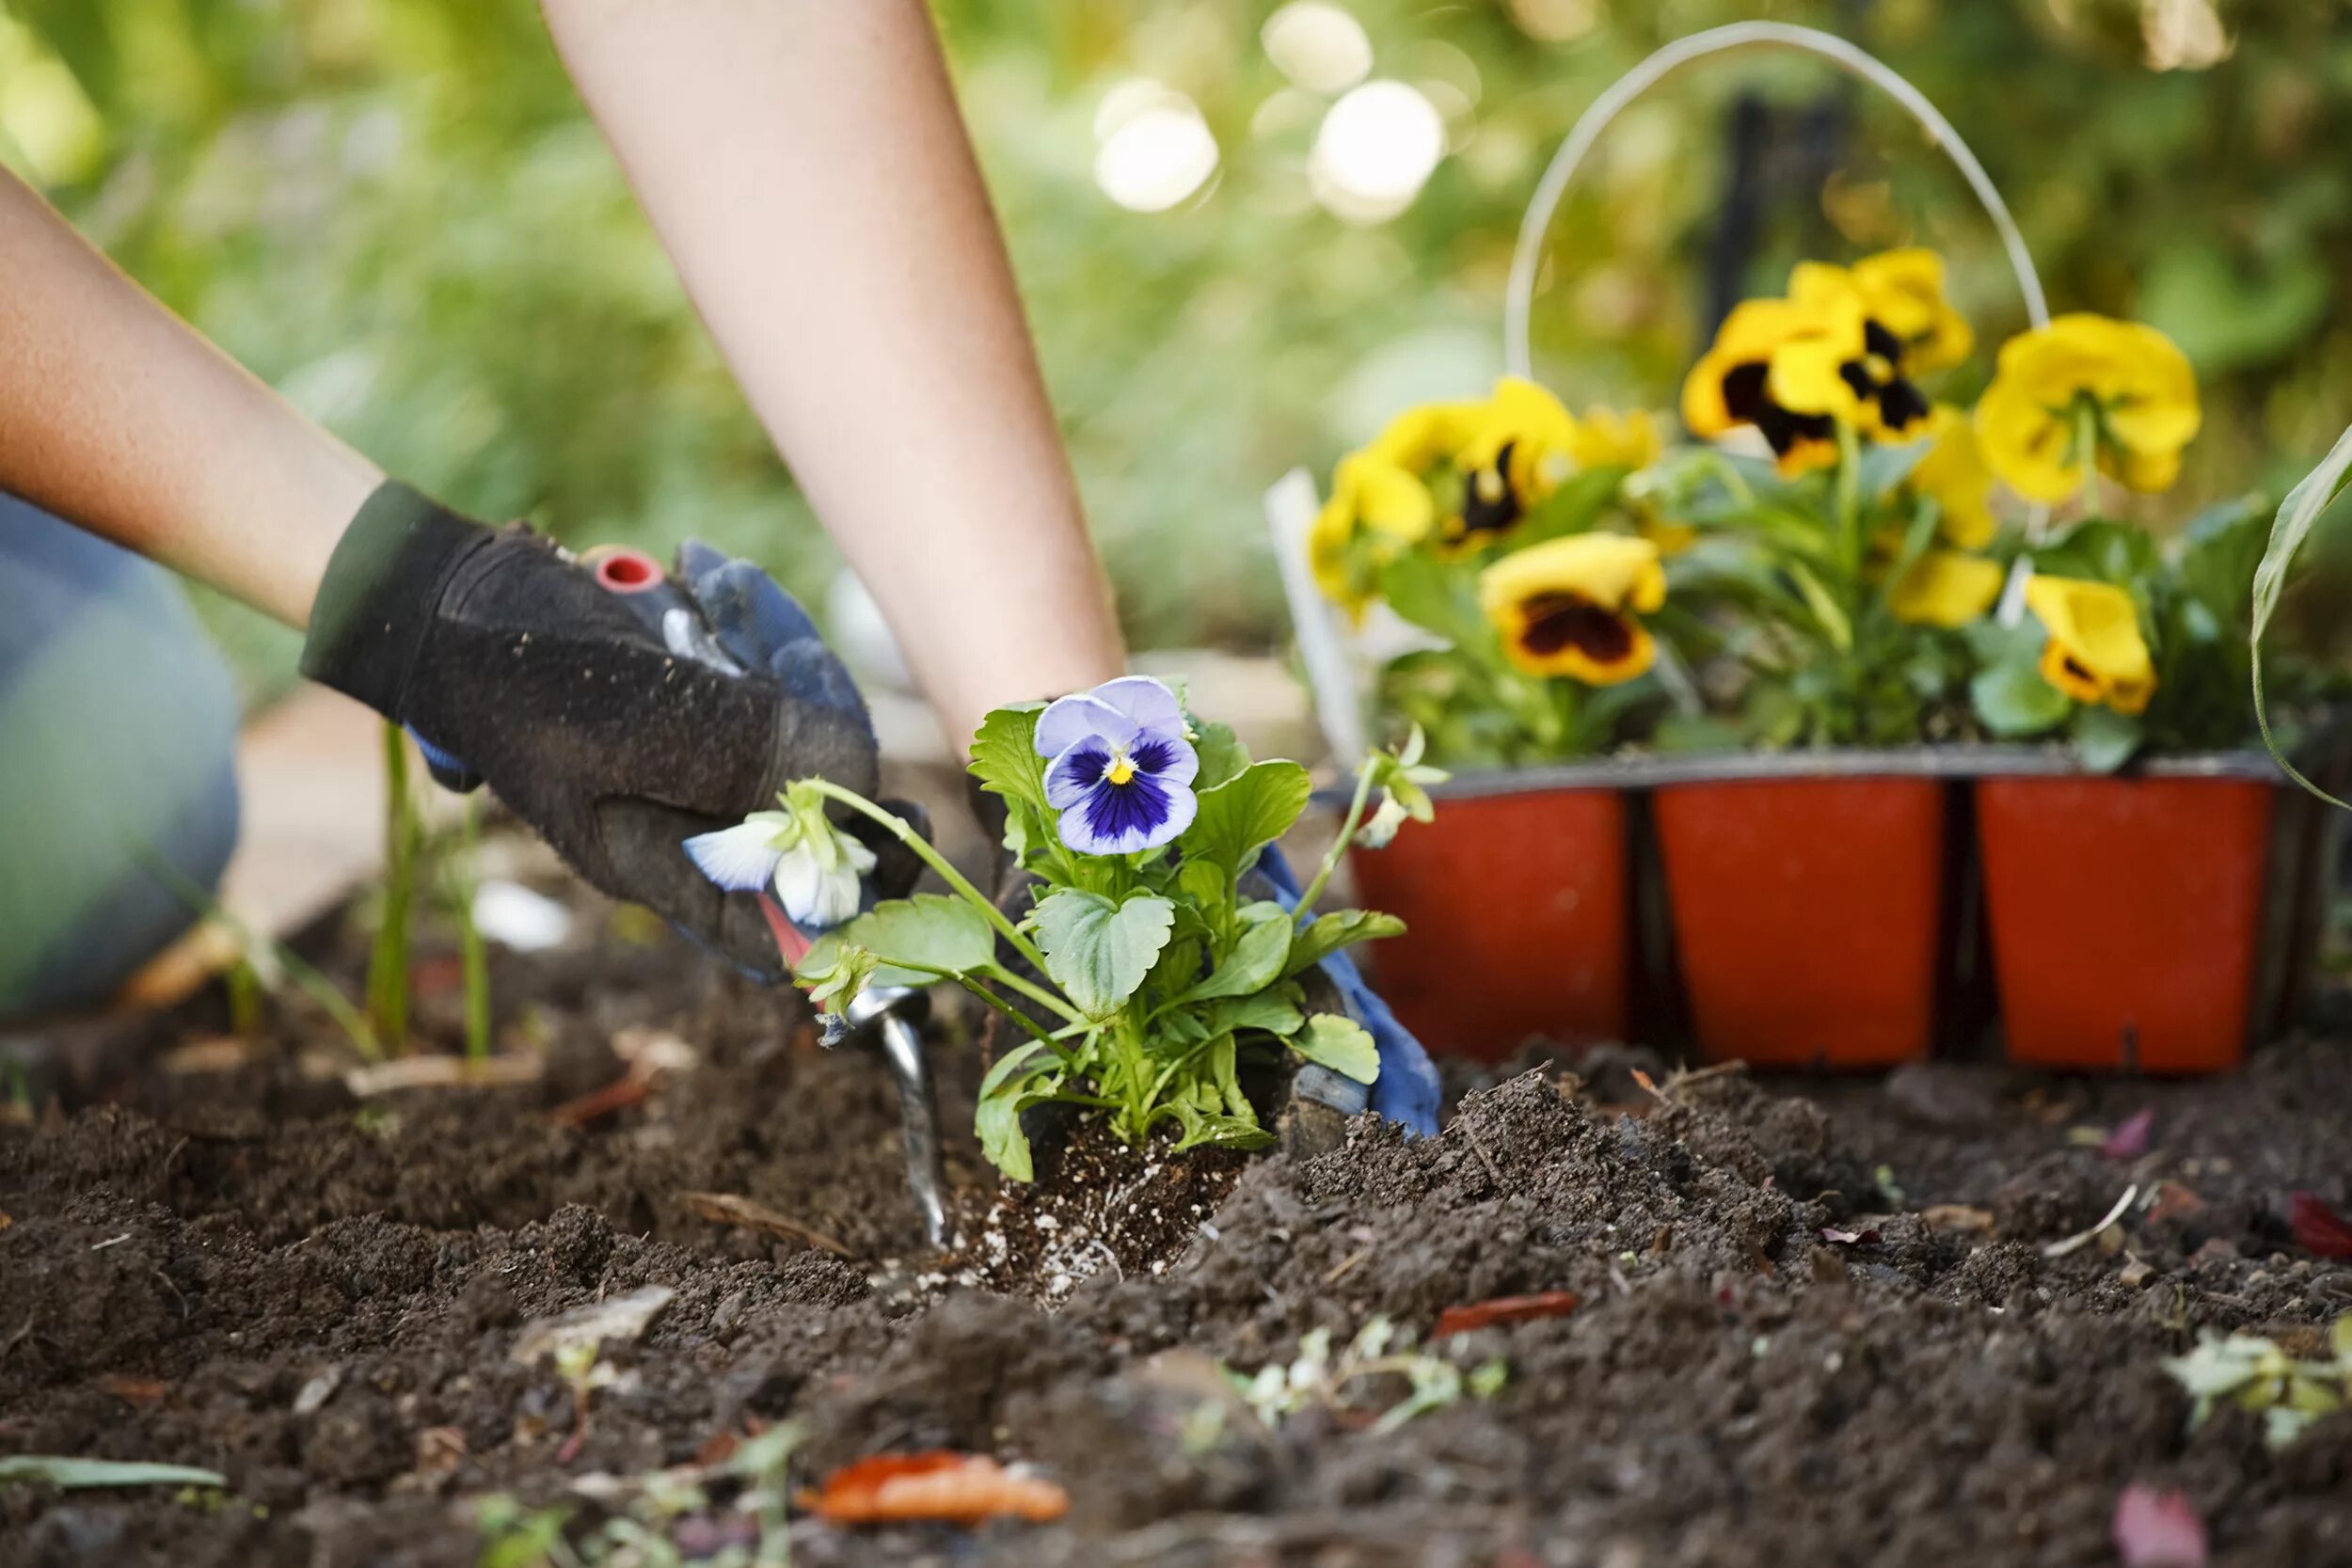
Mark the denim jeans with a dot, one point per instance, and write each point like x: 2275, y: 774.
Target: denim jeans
x: 117, y: 732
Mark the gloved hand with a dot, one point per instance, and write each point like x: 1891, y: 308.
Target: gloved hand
x: 1407, y: 1090
x: 615, y: 742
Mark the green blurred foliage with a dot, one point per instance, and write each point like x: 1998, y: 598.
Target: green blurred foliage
x: 397, y: 211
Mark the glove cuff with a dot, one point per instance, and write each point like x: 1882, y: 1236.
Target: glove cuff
x: 376, y: 603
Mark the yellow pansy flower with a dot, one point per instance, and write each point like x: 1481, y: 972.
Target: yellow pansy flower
x: 1568, y: 606
x: 1517, y: 449
x: 1946, y: 588
x: 1376, y: 509
x: 1419, y: 438
x: 1853, y: 372
x: 1903, y: 292
x: 2123, y: 386
x: 1729, y: 386
x: 1605, y: 438
x: 2096, y: 652
x: 1955, y: 474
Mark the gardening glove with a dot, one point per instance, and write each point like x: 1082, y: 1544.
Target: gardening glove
x: 1407, y: 1090
x: 616, y: 734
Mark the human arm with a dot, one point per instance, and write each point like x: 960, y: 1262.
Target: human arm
x: 115, y: 414
x: 806, y: 167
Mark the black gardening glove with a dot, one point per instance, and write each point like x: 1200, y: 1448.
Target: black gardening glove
x: 615, y: 729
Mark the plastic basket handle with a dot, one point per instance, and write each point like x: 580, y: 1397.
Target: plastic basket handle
x: 1519, y: 306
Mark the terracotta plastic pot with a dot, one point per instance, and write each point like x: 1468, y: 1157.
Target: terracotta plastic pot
x: 1807, y: 915
x: 1515, y: 908
x: 2127, y: 916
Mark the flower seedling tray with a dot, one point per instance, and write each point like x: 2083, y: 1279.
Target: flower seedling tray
x: 1821, y: 909
x: 1517, y: 909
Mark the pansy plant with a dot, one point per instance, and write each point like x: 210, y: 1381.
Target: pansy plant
x: 1829, y: 567
x: 1143, y: 969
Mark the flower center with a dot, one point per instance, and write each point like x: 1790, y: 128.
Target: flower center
x: 1123, y: 767
x: 1557, y: 621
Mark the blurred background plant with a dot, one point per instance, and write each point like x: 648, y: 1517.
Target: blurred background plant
x: 1247, y: 233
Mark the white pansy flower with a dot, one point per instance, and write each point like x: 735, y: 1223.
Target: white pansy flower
x: 815, y: 868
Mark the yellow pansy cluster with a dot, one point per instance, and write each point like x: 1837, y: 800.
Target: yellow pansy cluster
x: 1458, y: 479
x: 1833, y: 365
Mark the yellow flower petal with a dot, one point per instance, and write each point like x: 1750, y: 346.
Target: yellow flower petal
x: 1376, y: 510
x: 1903, y: 292
x: 2140, y: 386
x: 2096, y: 652
x: 1607, y: 439
x: 1945, y: 588
x: 1567, y: 606
x: 1956, y: 475
x: 1806, y: 377
x: 1419, y: 438
x: 1533, y: 427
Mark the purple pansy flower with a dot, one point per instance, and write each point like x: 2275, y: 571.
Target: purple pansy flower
x: 1122, y: 762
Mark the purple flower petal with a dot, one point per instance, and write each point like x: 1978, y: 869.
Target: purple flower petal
x: 1122, y: 819
x: 1169, y: 761
x: 1074, y: 717
x: 1075, y: 772
x: 1151, y: 705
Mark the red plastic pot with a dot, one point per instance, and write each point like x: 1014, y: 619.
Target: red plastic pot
x: 1516, y: 911
x: 1807, y: 915
x: 2127, y: 916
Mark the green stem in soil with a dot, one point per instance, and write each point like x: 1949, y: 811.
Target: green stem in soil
x: 1339, y: 846
x: 387, y: 959
x: 948, y: 874
x: 473, y: 954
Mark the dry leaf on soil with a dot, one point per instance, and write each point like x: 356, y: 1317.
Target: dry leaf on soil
x: 939, y: 1487
x: 1504, y: 1309
x: 2320, y: 1228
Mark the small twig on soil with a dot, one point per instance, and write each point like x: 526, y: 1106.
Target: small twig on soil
x: 728, y: 1208
x: 1346, y: 1265
x: 2082, y: 1238
x: 1485, y: 1159
x: 112, y: 1241
x: 7, y: 1346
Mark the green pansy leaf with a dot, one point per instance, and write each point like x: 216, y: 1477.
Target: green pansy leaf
x: 1574, y: 508
x: 928, y: 928
x: 2106, y: 738
x: 2014, y: 702
x: 1245, y: 813
x: 1436, y: 596
x: 1331, y: 932
x: 1883, y: 468
x: 1224, y: 1071
x: 1220, y: 1132
x: 1341, y: 1044
x: 1004, y: 1093
x: 1005, y: 759
x: 1223, y: 754
x: 1255, y: 962
x: 1274, y: 1011
x: 1099, y: 951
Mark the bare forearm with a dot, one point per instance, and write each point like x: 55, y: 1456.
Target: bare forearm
x: 805, y: 165
x: 118, y: 416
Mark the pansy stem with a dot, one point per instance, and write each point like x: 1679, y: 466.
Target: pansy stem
x: 948, y: 874
x: 2087, y: 451
x: 1339, y: 846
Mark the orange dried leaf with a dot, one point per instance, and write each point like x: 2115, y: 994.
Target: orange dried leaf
x: 1505, y: 1309
x: 939, y: 1487
x: 133, y: 1390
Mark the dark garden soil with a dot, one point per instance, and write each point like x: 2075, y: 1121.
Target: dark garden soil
x: 1817, y: 1324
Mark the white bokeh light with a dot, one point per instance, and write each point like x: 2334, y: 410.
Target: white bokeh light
x: 1157, y: 148
x: 1317, y: 45
x: 1376, y: 150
